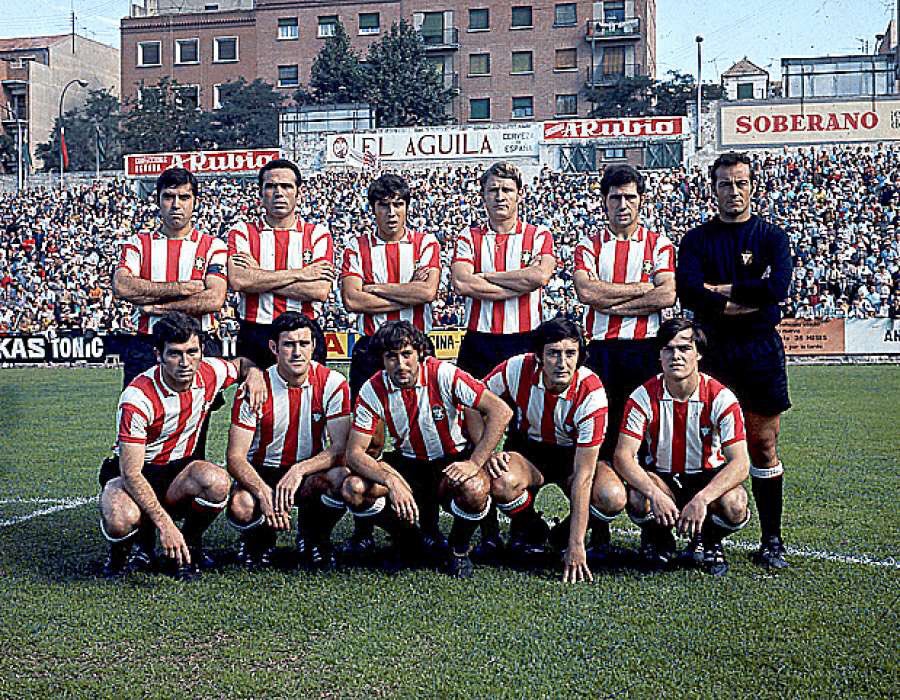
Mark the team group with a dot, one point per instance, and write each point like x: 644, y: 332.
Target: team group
x: 618, y: 414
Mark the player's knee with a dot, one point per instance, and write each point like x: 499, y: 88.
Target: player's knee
x: 213, y: 482
x: 353, y: 491
x: 763, y: 448
x: 732, y: 506
x: 506, y: 487
x: 241, y: 506
x: 637, y: 503
x: 473, y: 493
x: 608, y: 493
x: 313, y: 485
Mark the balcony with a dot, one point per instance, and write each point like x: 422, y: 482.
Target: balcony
x: 598, y: 77
x: 599, y: 30
x: 441, y: 40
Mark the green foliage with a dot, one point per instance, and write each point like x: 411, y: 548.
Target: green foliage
x: 8, y: 153
x: 404, y: 87
x: 160, y: 119
x: 102, y: 109
x: 336, y: 75
x: 643, y: 96
x: 248, y: 117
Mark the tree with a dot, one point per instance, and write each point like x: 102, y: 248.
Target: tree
x: 8, y: 153
x: 100, y: 111
x: 247, y: 118
x: 162, y: 117
x: 673, y: 95
x: 404, y: 88
x: 336, y: 74
x: 642, y: 96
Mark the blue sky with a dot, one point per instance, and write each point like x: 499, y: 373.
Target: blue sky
x: 763, y: 30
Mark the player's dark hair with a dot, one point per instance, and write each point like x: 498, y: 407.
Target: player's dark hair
x: 557, y: 329
x: 619, y: 175
x: 396, y: 334
x: 174, y: 327
x: 291, y: 321
x: 727, y: 160
x: 278, y: 164
x: 388, y: 185
x: 669, y: 329
x: 176, y: 177
x: 504, y: 171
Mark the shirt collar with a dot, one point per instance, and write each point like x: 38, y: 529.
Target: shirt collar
x: 278, y: 380
x: 666, y: 396
x: 636, y: 235
x: 193, y: 236
x: 166, y: 390
x: 375, y: 240
x: 519, y: 227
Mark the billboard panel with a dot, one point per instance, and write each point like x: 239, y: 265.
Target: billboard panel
x: 199, y: 162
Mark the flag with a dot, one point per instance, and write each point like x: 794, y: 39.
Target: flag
x: 101, y: 146
x: 62, y: 148
x: 370, y: 160
x: 26, y: 157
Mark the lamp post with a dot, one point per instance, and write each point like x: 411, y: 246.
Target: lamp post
x: 81, y: 83
x: 699, y: 40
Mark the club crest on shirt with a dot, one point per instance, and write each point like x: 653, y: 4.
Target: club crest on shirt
x: 199, y: 263
x: 438, y: 413
x: 705, y: 431
x: 317, y: 416
x: 307, y: 257
x: 648, y: 267
x: 747, y: 257
x: 527, y: 257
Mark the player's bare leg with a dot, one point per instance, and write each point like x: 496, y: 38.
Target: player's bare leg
x: 319, y: 508
x: 608, y: 499
x: 120, y: 518
x: 657, y: 542
x: 469, y: 503
x: 514, y: 492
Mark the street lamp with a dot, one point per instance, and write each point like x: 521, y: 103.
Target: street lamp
x: 699, y: 40
x: 81, y: 83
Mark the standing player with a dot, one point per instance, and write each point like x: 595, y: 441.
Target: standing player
x: 625, y: 276
x: 279, y: 456
x: 278, y: 264
x: 559, y: 423
x: 154, y: 475
x: 176, y: 268
x: 388, y: 274
x: 733, y: 271
x: 501, y: 268
x: 420, y: 399
x: 699, y: 459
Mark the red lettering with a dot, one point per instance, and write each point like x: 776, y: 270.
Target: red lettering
x: 742, y: 124
x: 762, y: 124
x: 869, y: 120
x: 779, y: 123
x: 815, y: 122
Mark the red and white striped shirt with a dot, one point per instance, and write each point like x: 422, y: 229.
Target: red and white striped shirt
x: 489, y: 251
x: 165, y: 421
x: 157, y: 258
x: 639, y: 259
x: 281, y: 249
x: 575, y: 417
x: 376, y: 261
x: 291, y: 425
x: 425, y: 421
x: 684, y: 437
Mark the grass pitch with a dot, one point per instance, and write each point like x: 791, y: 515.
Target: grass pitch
x: 826, y: 627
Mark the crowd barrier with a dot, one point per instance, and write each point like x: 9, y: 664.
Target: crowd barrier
x: 802, y: 337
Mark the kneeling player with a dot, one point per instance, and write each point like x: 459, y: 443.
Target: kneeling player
x: 560, y: 421
x: 420, y: 400
x: 695, y: 432
x: 154, y: 479
x: 279, y: 457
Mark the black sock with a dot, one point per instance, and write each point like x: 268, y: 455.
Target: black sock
x: 490, y: 525
x: 523, y: 521
x: 316, y: 520
x: 769, y: 498
x: 599, y: 530
x: 196, y: 522
x: 461, y: 534
x: 711, y: 533
x: 363, y: 528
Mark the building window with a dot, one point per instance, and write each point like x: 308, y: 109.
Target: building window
x: 480, y: 108
x: 369, y: 23
x: 566, y: 105
x: 614, y: 11
x: 211, y: 7
x: 187, y: 51
x: 288, y: 28
x: 188, y: 97
x: 288, y: 76
x: 566, y: 59
x: 327, y: 26
x: 479, y: 20
x: 217, y: 96
x: 745, y: 91
x: 225, y: 49
x: 613, y: 154
x: 522, y: 62
x: 565, y: 15
x: 432, y: 30
x: 613, y: 61
x: 522, y: 107
x: 149, y: 53
x: 521, y: 17
x: 479, y: 64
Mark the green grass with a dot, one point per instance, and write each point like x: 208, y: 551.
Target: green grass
x: 820, y: 629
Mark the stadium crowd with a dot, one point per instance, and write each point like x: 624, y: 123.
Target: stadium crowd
x: 840, y: 206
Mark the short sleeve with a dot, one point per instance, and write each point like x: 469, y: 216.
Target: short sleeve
x: 130, y: 257
x: 322, y: 245
x: 351, y: 264
x: 238, y: 240
x: 664, y: 256
x: 216, y: 264
x: 132, y: 424
x: 364, y: 417
x: 242, y: 415
x: 464, y: 248
x: 585, y: 259
x: 430, y: 253
x: 634, y: 420
x: 466, y: 389
x: 338, y: 403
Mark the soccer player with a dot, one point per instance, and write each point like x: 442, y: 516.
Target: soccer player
x: 280, y: 457
x: 560, y: 420
x: 176, y: 268
x: 388, y: 274
x: 155, y: 475
x: 278, y: 264
x: 698, y: 455
x: 420, y: 399
x: 733, y: 271
x: 501, y: 267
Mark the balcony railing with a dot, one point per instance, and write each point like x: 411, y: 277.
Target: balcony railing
x: 444, y: 40
x: 600, y: 77
x: 599, y: 30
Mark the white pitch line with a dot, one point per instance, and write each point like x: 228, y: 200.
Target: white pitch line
x: 60, y: 504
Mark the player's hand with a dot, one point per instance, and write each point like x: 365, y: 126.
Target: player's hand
x: 320, y: 271
x: 460, y: 472
x: 664, y: 509
x: 286, y: 489
x: 421, y: 274
x: 254, y: 388
x: 191, y: 287
x: 692, y: 518
x: 245, y: 261
x: 173, y: 545
x: 402, y: 501
x: 274, y: 519
x: 497, y: 464
x: 575, y: 567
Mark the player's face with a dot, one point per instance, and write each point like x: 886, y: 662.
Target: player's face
x: 176, y: 207
x: 279, y: 193
x: 293, y: 352
x: 402, y: 366
x: 623, y: 203
x: 679, y: 357
x: 733, y: 190
x: 501, y: 198
x: 179, y: 362
x: 559, y: 363
x: 390, y: 216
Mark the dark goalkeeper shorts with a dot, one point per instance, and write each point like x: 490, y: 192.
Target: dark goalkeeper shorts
x: 556, y: 463
x: 160, y: 476
x: 686, y: 486
x: 480, y: 352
